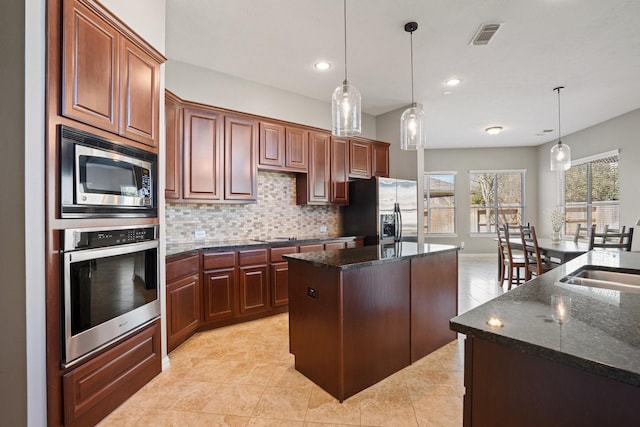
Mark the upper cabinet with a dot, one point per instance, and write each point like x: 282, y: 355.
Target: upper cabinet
x: 240, y: 158
x: 359, y: 159
x: 173, y: 144
x: 339, y: 170
x: 313, y: 187
x: 379, y: 159
x: 283, y: 148
x: 109, y: 80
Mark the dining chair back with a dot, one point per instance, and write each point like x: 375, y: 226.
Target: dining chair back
x: 581, y: 233
x: 608, y: 230
x: 535, y: 262
x: 610, y: 240
x: 510, y: 263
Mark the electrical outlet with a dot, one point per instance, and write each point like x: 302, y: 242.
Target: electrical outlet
x: 323, y: 228
x: 462, y: 245
x: 200, y: 234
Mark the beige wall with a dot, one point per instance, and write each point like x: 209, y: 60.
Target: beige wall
x: 209, y: 87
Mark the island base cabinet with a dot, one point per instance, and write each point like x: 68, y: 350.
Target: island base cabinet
x: 507, y: 387
x: 349, y: 329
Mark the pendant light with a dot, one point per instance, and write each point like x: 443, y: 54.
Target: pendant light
x: 412, y: 120
x: 560, y: 153
x: 345, y: 101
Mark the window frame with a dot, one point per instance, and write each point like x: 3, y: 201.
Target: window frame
x: 522, y: 206
x: 427, y: 204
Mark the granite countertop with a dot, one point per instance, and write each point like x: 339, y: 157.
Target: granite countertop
x: 187, y: 248
x: 345, y: 259
x: 601, y: 335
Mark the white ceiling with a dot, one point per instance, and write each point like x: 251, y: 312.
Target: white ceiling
x: 592, y: 47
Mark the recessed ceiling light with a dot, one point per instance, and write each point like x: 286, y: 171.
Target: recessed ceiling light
x: 453, y: 82
x: 321, y: 66
x: 447, y: 92
x: 494, y: 130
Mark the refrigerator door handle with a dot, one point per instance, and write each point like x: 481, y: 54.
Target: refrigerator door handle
x: 400, y: 226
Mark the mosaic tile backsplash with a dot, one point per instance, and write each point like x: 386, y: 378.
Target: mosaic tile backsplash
x: 274, y: 215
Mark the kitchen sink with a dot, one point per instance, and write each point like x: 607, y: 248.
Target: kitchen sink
x: 622, y: 280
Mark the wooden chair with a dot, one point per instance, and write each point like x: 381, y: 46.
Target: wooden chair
x: 609, y: 230
x: 581, y: 233
x: 621, y: 240
x: 510, y: 263
x: 535, y: 262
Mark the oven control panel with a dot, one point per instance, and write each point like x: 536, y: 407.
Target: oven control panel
x: 100, y: 238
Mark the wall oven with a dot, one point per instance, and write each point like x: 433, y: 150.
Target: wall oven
x: 99, y: 178
x: 110, y: 286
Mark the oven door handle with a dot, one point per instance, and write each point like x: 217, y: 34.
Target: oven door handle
x: 88, y: 254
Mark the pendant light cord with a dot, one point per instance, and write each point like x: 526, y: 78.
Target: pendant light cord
x: 412, y: 101
x: 345, y: 41
x: 558, y: 89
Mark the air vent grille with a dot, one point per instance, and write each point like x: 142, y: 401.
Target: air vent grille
x: 484, y: 34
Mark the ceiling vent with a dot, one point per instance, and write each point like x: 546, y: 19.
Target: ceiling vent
x: 484, y: 34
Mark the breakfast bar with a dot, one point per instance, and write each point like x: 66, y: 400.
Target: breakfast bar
x: 358, y: 315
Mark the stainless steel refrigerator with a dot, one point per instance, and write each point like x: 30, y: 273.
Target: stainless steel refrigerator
x: 383, y: 210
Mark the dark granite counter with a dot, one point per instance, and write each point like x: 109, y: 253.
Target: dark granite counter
x: 183, y: 249
x: 601, y: 335
x: 346, y: 259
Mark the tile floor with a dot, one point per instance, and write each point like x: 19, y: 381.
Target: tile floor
x: 243, y: 375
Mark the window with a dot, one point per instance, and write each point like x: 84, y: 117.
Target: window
x: 592, y: 192
x: 496, y: 197
x: 439, y: 203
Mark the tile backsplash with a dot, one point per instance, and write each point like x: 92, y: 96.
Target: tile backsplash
x: 274, y: 215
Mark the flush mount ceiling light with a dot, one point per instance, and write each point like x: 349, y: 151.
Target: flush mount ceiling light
x: 453, y: 82
x: 560, y: 153
x: 321, y: 65
x: 412, y: 120
x: 494, y: 130
x: 345, y: 101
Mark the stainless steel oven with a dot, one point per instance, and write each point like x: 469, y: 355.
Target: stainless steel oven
x: 99, y: 178
x: 110, y: 286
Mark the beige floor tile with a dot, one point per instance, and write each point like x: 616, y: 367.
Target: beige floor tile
x: 285, y: 375
x: 326, y: 409
x: 283, y: 403
x: 439, y: 411
x: 265, y: 422
x: 234, y: 399
x: 193, y: 396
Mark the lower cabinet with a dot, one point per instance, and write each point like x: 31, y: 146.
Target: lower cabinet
x: 219, y: 283
x: 280, y: 275
x: 253, y: 284
x: 183, y: 299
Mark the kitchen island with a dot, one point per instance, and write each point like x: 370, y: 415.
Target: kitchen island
x: 525, y: 367
x: 358, y: 315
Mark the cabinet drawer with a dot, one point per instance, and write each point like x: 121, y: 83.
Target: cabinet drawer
x: 182, y: 267
x: 252, y: 256
x: 312, y: 248
x: 218, y: 260
x: 276, y: 253
x: 329, y: 246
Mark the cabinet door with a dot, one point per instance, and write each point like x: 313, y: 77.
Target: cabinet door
x: 359, y: 159
x: 90, y: 59
x: 380, y: 159
x: 219, y: 286
x: 139, y: 94
x: 280, y: 283
x: 202, y: 154
x: 253, y: 289
x: 297, y: 147
x: 173, y: 171
x: 339, y: 170
x: 318, y: 175
x: 241, y: 158
x: 183, y: 309
x: 272, y: 150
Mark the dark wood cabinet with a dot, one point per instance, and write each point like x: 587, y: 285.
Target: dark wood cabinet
x: 380, y: 159
x: 330, y: 246
x: 253, y: 282
x: 313, y: 187
x: 219, y: 285
x: 359, y: 159
x: 240, y: 158
x: 339, y: 171
x: 183, y: 299
x: 283, y: 147
x: 173, y: 144
x: 280, y: 275
x: 202, y: 154
x: 108, y: 81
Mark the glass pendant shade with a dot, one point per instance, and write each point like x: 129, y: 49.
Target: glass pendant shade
x: 412, y: 128
x: 345, y: 110
x: 560, y: 157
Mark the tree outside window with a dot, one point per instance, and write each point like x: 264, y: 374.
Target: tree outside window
x: 497, y: 197
x: 439, y: 203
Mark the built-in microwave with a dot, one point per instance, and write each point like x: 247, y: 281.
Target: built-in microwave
x: 99, y: 178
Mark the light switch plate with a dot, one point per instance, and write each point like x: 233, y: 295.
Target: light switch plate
x: 200, y: 234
